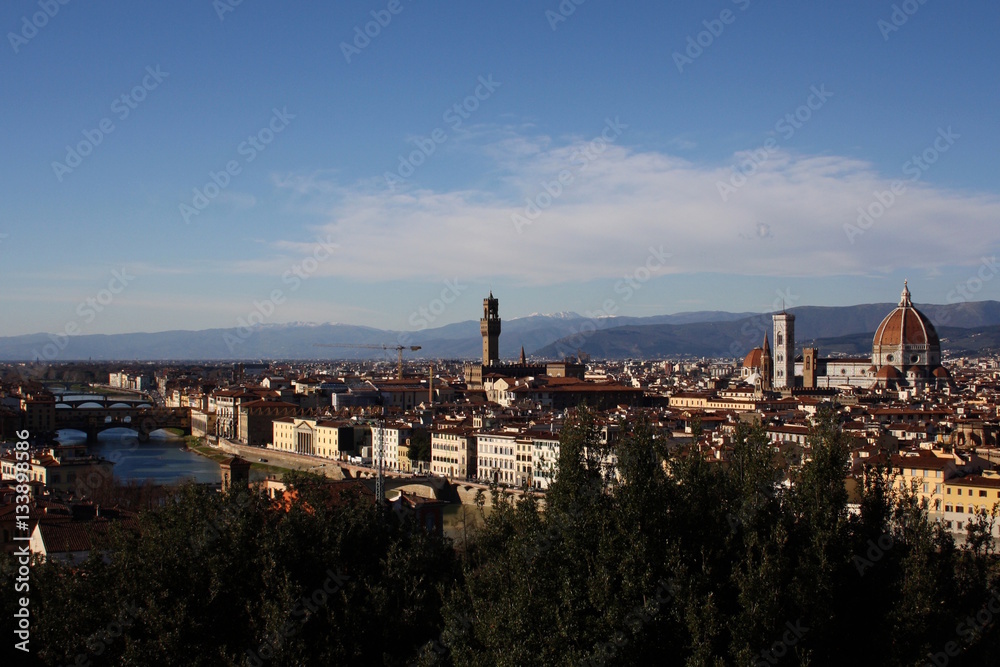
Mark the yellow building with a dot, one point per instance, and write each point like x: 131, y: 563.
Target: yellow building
x: 523, y: 474
x: 405, y: 465
x: 964, y: 497
x: 326, y: 439
x: 925, y: 471
x: 453, y: 452
x: 737, y: 400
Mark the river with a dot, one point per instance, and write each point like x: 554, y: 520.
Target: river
x: 162, y: 460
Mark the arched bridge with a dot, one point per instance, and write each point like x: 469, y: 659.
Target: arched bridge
x: 90, y: 401
x: 420, y: 485
x: 141, y: 420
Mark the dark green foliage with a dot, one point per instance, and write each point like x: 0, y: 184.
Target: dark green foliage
x: 653, y: 556
x: 689, y: 562
x: 228, y: 580
x: 420, y: 445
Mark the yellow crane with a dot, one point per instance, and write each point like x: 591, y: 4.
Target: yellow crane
x: 399, y: 350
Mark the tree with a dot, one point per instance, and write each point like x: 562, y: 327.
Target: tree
x: 638, y: 554
x: 420, y: 445
x: 229, y: 579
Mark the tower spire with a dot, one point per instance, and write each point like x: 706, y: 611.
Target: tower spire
x: 904, y: 298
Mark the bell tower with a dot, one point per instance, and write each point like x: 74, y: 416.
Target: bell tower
x: 489, y: 326
x: 784, y: 350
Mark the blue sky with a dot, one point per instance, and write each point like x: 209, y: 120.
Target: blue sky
x: 634, y: 159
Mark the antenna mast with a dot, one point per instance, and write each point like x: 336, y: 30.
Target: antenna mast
x: 380, y: 455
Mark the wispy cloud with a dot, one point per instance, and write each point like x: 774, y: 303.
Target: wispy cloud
x: 625, y: 200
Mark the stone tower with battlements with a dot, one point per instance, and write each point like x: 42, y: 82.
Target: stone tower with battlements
x: 489, y: 326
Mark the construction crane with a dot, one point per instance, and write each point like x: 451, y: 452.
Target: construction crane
x: 399, y: 350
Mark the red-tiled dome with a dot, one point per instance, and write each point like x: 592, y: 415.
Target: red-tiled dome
x: 752, y: 360
x: 906, y: 326
x: 942, y: 372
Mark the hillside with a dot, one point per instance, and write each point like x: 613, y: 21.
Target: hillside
x: 710, y: 333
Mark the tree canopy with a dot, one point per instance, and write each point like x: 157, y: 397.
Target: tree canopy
x: 640, y: 553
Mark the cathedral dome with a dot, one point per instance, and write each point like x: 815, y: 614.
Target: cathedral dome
x: 906, y: 326
x: 906, y: 338
x: 752, y: 360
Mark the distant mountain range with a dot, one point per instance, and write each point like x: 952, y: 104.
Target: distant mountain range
x: 966, y: 327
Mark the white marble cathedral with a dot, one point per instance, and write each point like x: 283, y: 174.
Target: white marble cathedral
x: 906, y: 352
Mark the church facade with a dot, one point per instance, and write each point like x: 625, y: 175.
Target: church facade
x: 906, y: 352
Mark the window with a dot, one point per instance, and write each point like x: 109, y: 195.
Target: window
x: 947, y: 508
x: 960, y: 509
x: 982, y: 494
x: 947, y: 524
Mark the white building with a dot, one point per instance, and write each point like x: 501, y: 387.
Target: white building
x: 496, y: 456
x: 389, y: 437
x: 544, y: 461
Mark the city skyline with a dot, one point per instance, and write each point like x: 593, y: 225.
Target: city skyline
x: 715, y: 156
